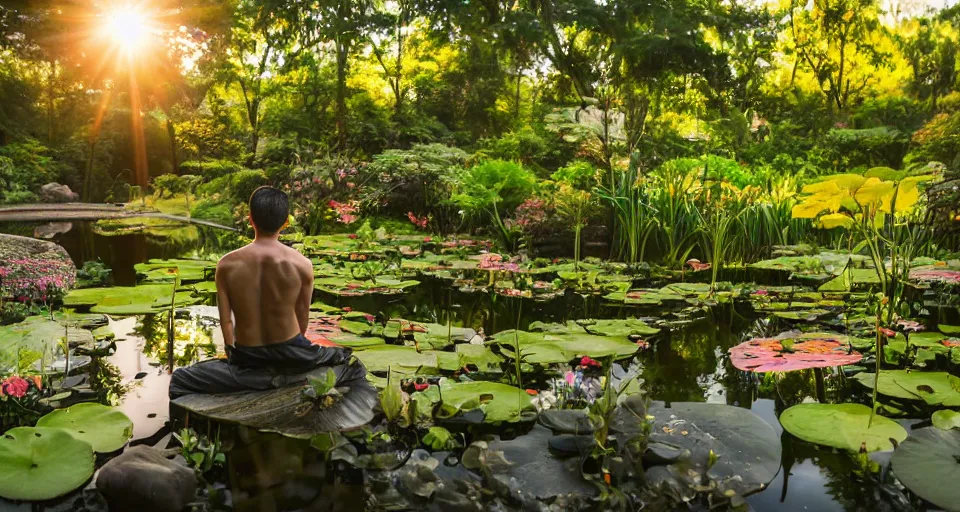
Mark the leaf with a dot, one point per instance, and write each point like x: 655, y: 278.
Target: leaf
x: 440, y: 439
x: 391, y: 399
x: 842, y: 426
x: 835, y: 220
x: 926, y: 463
x: 876, y: 193
x: 106, y: 429
x: 38, y: 463
x: 946, y: 419
x: 785, y: 353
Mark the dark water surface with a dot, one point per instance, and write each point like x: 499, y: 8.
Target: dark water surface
x: 687, y: 364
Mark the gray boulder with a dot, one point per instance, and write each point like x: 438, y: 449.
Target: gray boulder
x: 57, y: 193
x: 143, y: 479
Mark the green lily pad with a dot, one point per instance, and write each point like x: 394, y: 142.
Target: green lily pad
x: 934, y: 388
x: 546, y: 348
x: 106, y: 429
x: 441, y: 336
x: 842, y: 426
x: 399, y: 359
x: 159, y: 271
x: 128, y: 300
x: 479, y: 355
x: 946, y: 419
x: 500, y: 403
x: 926, y: 463
x: 628, y: 327
x: 949, y: 329
x: 39, y: 464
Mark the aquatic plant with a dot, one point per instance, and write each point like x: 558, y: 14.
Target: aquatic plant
x: 575, y: 207
x: 876, y: 208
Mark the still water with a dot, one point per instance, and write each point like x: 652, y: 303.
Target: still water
x: 687, y: 364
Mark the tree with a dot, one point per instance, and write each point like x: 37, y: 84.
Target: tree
x: 836, y: 40
x: 931, y: 47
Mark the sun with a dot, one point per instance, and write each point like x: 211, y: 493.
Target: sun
x: 128, y: 28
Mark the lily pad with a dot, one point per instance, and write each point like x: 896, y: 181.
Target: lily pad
x: 926, y: 463
x: 946, y: 419
x: 747, y: 449
x: 546, y: 348
x: 934, y: 388
x: 793, y: 352
x: 160, y: 271
x: 628, y: 327
x: 499, y: 403
x: 398, y: 359
x: 128, y: 300
x: 480, y: 356
x: 287, y: 410
x: 39, y: 463
x: 842, y: 426
x: 106, y: 429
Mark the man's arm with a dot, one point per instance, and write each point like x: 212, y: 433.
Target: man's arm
x: 223, y: 305
x: 306, y: 296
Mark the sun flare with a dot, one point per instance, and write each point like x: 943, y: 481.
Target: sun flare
x: 128, y: 28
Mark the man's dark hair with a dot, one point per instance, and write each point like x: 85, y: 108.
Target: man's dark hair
x: 269, y: 209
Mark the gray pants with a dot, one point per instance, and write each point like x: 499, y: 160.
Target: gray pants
x: 256, y: 368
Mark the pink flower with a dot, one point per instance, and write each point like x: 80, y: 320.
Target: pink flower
x: 420, y: 222
x: 569, y: 378
x: 887, y: 332
x: 761, y: 292
x: 15, y: 387
x: 352, y: 236
x: 427, y: 239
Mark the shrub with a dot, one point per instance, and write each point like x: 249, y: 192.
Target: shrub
x: 218, y: 211
x: 24, y: 168
x: 239, y: 185
x: 938, y: 140
x: 901, y: 113
x: 420, y: 179
x: 580, y: 174
x: 491, y: 190
x: 210, y: 169
x: 871, y: 147
x: 529, y: 147
x: 93, y: 273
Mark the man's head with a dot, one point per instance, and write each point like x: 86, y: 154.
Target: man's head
x: 269, y: 209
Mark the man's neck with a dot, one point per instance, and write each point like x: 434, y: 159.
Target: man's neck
x: 260, y: 238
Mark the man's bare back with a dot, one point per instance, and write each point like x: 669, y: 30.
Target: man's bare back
x: 268, y: 288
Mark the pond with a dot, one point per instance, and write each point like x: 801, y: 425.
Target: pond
x: 688, y: 362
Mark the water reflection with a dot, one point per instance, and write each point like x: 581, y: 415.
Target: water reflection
x: 193, y: 339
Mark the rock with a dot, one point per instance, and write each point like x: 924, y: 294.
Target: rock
x: 51, y: 229
x: 566, y: 421
x: 57, y: 193
x: 142, y: 479
x: 14, y: 247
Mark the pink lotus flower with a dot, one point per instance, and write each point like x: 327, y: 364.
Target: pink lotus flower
x: 427, y: 239
x: 888, y: 332
x: 762, y: 293
x: 15, y: 387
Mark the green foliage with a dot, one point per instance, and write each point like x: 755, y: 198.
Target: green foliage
x: 938, y: 141
x: 201, y: 453
x: 210, y: 169
x: 579, y: 174
x: 93, y: 273
x: 869, y: 147
x: 214, y: 210
x: 239, y: 185
x: 492, y: 189
x: 24, y: 168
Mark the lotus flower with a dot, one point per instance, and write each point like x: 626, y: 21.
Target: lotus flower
x: 15, y: 387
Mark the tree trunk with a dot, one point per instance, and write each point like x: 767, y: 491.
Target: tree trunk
x: 341, y: 113
x: 172, y: 133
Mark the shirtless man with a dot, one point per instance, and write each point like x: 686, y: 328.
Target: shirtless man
x: 266, y: 285
x: 264, y: 292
